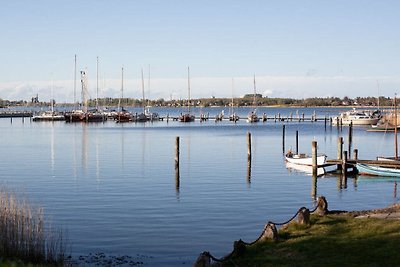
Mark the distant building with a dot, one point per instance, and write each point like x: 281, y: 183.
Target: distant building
x: 35, y: 100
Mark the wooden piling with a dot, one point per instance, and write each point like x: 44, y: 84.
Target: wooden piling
x: 314, y: 157
x: 350, y: 137
x: 355, y: 154
x: 283, y: 137
x: 177, y: 152
x: 11, y: 120
x: 303, y: 116
x: 248, y: 146
x: 344, y: 163
x: 297, y: 142
x: 339, y: 152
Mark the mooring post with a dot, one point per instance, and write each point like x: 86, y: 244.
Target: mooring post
x: 355, y: 154
x: 248, y: 146
x: 11, y: 120
x: 314, y: 157
x: 23, y: 119
x: 297, y: 142
x: 283, y: 138
x: 177, y: 152
x: 344, y: 163
x: 350, y: 137
x: 303, y: 116
x: 339, y: 152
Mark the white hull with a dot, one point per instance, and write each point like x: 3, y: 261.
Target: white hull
x: 355, y: 121
x: 302, y: 159
x: 308, y: 170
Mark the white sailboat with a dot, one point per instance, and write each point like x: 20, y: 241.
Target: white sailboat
x: 187, y: 117
x: 233, y: 116
x: 252, y: 116
x: 151, y: 116
x: 49, y: 115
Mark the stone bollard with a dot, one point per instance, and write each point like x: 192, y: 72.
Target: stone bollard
x: 304, y: 216
x: 270, y: 233
x: 239, y: 247
x: 322, y: 206
x: 203, y: 260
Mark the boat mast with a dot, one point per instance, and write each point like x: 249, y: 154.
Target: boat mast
x: 148, y: 85
x: 188, y: 89
x: 377, y: 82
x: 144, y: 105
x: 254, y: 96
x: 97, y: 84
x: 75, y: 84
x: 122, y: 89
x: 232, y: 100
x: 84, y: 90
x: 52, y: 95
x: 395, y: 128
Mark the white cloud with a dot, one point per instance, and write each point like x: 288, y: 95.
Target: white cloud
x: 271, y: 86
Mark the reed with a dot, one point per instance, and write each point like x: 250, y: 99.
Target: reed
x: 24, y: 235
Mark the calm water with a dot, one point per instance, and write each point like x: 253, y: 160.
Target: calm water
x: 113, y: 187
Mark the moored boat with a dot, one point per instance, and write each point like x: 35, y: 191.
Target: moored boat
x: 48, y: 115
x: 357, y: 117
x: 368, y: 169
x: 303, y: 159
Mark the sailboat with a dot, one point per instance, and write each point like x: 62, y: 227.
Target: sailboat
x: 94, y: 115
x: 123, y: 115
x: 49, y: 115
x: 233, y: 116
x: 76, y: 115
x: 252, y: 116
x: 187, y: 117
x: 151, y: 116
x: 141, y: 117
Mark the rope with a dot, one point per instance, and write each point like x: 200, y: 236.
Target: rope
x: 225, y: 258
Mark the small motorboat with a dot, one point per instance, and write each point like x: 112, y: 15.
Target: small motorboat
x: 303, y: 159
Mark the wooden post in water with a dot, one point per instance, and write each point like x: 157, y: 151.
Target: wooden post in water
x: 297, y: 142
x: 350, y: 137
x: 177, y: 152
x: 314, y: 157
x: 303, y: 116
x: 344, y: 163
x: 355, y: 154
x: 11, y: 119
x: 339, y: 152
x: 248, y: 146
x: 283, y: 138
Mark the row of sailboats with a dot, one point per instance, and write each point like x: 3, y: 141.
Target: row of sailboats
x: 83, y: 114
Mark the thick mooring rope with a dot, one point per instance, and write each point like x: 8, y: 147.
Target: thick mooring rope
x: 207, y: 253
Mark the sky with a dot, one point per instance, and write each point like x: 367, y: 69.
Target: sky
x: 291, y: 48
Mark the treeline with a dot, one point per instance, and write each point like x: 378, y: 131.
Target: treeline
x: 247, y: 100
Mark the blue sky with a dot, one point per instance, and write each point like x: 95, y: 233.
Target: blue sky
x: 294, y: 48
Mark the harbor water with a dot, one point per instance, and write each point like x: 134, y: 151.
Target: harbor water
x: 114, y: 189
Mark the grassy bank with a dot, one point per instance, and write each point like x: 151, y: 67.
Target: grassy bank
x: 331, y: 240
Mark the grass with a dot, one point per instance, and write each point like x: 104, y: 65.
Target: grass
x: 25, y: 237
x: 332, y: 240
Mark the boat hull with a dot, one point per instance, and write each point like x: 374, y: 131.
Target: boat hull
x: 305, y: 160
x: 377, y: 170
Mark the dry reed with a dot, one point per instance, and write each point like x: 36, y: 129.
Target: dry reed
x: 24, y: 234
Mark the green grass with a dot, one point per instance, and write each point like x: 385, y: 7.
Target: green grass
x: 332, y: 240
